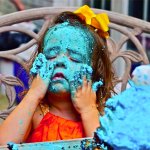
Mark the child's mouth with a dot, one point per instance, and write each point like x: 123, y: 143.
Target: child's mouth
x: 58, y: 75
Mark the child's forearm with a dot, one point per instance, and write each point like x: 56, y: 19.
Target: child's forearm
x: 18, y: 123
x: 90, y: 121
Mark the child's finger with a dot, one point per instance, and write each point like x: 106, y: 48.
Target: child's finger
x: 86, y: 71
x: 42, y: 57
x: 82, y: 72
x: 79, y: 88
x: 89, y: 85
x: 77, y: 79
x: 85, y: 84
x: 33, y: 71
x: 37, y: 64
x: 88, y: 77
x: 96, y: 85
x: 89, y: 73
x: 43, y: 70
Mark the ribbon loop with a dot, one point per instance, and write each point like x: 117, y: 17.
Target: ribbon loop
x: 98, y: 21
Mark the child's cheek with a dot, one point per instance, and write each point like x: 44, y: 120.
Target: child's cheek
x: 72, y: 68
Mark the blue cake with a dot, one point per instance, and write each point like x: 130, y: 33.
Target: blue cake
x: 126, y: 123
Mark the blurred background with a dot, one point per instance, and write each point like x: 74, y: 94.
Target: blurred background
x: 135, y: 8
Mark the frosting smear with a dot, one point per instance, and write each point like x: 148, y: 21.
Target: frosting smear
x: 126, y: 123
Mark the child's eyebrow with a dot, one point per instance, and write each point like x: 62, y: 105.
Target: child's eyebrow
x: 53, y: 48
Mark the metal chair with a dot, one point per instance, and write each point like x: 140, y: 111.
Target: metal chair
x: 128, y: 27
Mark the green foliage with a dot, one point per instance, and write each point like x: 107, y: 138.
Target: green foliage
x: 3, y: 102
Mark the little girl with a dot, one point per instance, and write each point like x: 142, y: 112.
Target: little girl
x: 72, y: 80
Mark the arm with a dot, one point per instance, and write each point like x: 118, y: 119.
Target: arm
x: 85, y: 103
x: 90, y: 121
x: 18, y: 124
x: 18, y: 4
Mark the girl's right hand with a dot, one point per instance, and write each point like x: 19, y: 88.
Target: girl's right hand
x: 42, y: 71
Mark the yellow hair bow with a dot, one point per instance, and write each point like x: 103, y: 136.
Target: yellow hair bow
x: 98, y: 21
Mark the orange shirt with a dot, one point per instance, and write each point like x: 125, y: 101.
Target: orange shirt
x: 53, y: 128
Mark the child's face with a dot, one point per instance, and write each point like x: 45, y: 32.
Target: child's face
x: 69, y: 47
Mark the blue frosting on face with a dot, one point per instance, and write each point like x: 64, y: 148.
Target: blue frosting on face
x: 69, y: 48
x: 76, y: 42
x: 126, y: 123
x: 66, y: 58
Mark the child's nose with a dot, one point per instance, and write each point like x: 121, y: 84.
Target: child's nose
x: 60, y: 64
x: 61, y: 61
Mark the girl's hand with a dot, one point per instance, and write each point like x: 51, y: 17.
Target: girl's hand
x: 84, y: 99
x: 42, y: 70
x: 82, y: 92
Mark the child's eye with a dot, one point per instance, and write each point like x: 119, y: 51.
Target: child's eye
x: 75, y: 60
x: 52, y: 57
x: 49, y: 57
x: 52, y: 53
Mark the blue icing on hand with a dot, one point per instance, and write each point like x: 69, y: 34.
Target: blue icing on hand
x: 126, y: 126
x: 85, y: 71
x: 37, y: 64
x: 77, y: 80
x: 42, y: 67
x: 96, y: 85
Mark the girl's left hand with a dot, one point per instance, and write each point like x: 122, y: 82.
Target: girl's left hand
x: 83, y: 92
x: 84, y: 98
